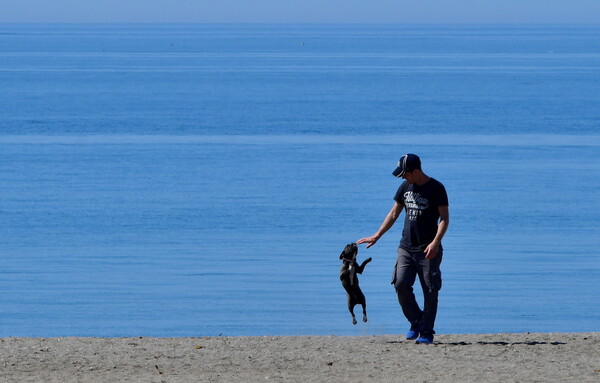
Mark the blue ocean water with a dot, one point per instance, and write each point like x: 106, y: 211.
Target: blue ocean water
x: 198, y: 180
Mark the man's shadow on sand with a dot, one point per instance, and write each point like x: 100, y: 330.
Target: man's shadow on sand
x: 531, y: 343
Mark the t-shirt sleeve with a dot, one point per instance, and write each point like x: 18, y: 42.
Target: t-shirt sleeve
x: 399, y: 197
x: 442, y: 196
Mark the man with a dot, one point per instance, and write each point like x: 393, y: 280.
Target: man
x: 420, y: 250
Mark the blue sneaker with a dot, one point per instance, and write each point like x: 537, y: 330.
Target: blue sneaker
x: 412, y: 335
x: 425, y: 338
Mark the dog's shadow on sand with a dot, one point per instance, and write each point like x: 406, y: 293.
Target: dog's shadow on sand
x: 497, y: 343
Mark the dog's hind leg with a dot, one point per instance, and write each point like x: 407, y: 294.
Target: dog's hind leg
x: 352, y: 313
x: 351, y: 309
x: 360, y: 299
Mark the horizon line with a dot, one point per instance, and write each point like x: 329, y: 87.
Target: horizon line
x: 480, y: 23
x: 447, y: 139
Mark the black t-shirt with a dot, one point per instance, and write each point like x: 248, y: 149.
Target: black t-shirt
x: 422, y: 214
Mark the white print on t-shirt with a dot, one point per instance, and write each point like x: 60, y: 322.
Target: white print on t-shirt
x: 415, y: 204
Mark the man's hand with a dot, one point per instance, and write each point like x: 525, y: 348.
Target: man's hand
x: 370, y: 240
x: 431, y: 251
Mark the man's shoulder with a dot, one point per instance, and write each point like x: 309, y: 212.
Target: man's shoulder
x: 398, y: 197
x: 403, y: 186
x: 438, y: 189
x: 435, y: 183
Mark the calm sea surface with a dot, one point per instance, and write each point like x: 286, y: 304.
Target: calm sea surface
x: 198, y: 180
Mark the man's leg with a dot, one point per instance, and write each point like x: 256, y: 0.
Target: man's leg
x: 404, y: 276
x: 431, y: 283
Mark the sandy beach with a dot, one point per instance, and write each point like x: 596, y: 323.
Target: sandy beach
x: 550, y: 357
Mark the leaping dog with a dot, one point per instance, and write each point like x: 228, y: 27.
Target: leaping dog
x: 350, y: 280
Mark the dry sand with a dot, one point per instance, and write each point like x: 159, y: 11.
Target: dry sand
x: 551, y: 357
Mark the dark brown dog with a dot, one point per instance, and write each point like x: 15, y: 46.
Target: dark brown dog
x: 350, y: 280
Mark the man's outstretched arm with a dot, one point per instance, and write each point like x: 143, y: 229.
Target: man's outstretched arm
x: 388, y: 222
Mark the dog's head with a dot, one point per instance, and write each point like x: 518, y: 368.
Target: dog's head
x: 349, y: 252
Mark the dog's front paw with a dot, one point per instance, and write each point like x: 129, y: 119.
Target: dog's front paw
x: 354, y: 321
x: 369, y: 259
x: 364, y: 318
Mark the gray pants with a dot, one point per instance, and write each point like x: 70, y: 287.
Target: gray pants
x: 408, y: 266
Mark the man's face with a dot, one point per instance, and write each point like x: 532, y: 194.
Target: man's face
x: 410, y: 177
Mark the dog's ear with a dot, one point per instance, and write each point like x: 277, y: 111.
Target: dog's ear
x: 342, y: 255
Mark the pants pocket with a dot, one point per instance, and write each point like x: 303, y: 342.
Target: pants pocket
x: 435, y: 280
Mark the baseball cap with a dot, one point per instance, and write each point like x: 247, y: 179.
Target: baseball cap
x: 407, y: 163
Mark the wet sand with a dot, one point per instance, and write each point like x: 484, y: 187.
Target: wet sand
x: 551, y: 357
